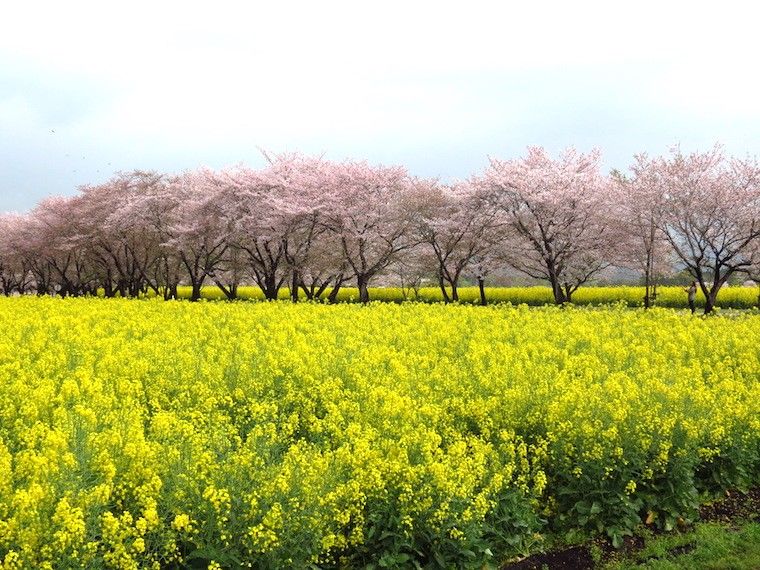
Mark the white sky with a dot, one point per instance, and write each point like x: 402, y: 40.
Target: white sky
x: 90, y: 88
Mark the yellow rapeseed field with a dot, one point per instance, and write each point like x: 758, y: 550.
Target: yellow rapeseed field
x: 736, y: 297
x: 147, y: 434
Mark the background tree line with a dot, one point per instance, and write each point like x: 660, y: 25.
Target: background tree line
x: 313, y: 225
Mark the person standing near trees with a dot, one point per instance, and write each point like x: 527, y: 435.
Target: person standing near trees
x: 691, y: 290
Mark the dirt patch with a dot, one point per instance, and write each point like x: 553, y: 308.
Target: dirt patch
x: 575, y: 558
x: 735, y: 505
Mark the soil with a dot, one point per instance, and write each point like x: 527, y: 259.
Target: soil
x: 576, y: 558
x: 733, y: 507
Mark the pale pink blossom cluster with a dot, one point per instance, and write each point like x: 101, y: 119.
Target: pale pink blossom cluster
x: 313, y: 225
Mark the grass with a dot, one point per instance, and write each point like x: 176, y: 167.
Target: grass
x: 710, y: 545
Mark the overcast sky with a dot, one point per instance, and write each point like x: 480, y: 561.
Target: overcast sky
x: 90, y: 89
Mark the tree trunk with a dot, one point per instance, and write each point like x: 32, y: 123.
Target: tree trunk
x: 454, y: 292
x: 647, y: 286
x: 568, y: 293
x: 442, y: 285
x: 270, y: 288
x: 332, y: 298
x: 294, y: 286
x: 710, y: 300
x: 229, y: 292
x: 649, y: 270
x: 362, y: 282
x: 711, y: 296
x: 482, y: 289
x: 314, y: 291
x: 135, y: 287
x: 153, y: 287
x: 196, y: 294
x: 559, y: 295
x: 170, y: 291
x: 308, y: 291
x: 709, y: 304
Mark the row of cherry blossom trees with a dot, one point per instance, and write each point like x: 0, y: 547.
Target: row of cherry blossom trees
x: 313, y: 225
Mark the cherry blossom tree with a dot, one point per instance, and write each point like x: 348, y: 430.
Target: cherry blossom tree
x: 712, y: 215
x: 247, y: 198
x: 297, y: 186
x: 230, y: 272
x: 411, y: 270
x: 372, y: 211
x: 556, y: 211
x: 53, y: 246
x: 150, y: 213
x: 456, y: 223
x: 123, y: 250
x: 324, y: 269
x: 15, y: 273
x: 198, y: 230
x: 315, y: 224
x: 484, y: 263
x: 639, y: 206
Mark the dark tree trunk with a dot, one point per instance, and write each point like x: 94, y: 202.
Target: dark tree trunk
x: 454, y: 292
x: 710, y: 299
x: 170, y: 291
x: 647, y: 286
x: 196, y: 294
x: 314, y: 290
x: 559, y: 295
x: 711, y: 295
x: 294, y: 282
x: 568, y: 293
x: 135, y: 287
x: 308, y: 291
x: 482, y: 289
x: 270, y: 288
x: 650, y: 293
x: 332, y: 298
x: 363, y: 282
x: 442, y: 285
x: 229, y: 292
